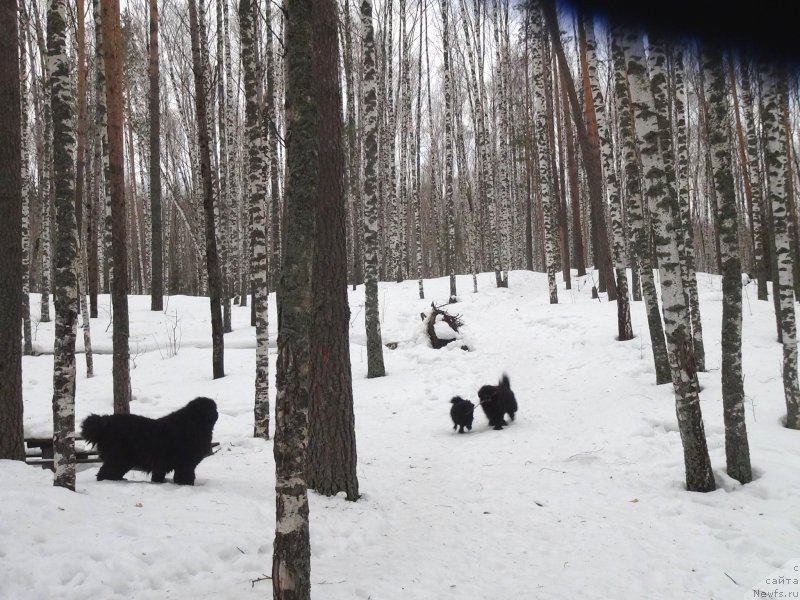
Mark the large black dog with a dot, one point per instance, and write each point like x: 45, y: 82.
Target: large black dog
x: 497, y: 401
x: 461, y: 412
x: 176, y: 442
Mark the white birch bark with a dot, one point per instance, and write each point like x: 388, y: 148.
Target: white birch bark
x: 737, y: 450
x: 663, y: 209
x: 375, y: 366
x: 541, y: 68
x: 774, y: 86
x: 256, y: 169
x: 66, y: 293
x: 624, y: 327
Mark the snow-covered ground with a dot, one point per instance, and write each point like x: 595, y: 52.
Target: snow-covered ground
x: 581, y: 497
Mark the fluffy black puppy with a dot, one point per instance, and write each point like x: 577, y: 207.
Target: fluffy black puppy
x: 176, y: 442
x: 461, y: 412
x: 497, y: 401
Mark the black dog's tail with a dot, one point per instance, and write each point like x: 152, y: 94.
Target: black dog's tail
x: 505, y: 383
x: 93, y: 429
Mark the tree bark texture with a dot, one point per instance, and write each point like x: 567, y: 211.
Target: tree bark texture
x: 633, y: 193
x: 737, y: 449
x: 680, y: 351
x: 112, y: 47
x: 291, y: 562
x: 156, y: 241
x: 256, y: 170
x: 775, y: 89
x: 12, y: 445
x: 375, y: 366
x: 332, y: 436
x: 212, y: 256
x: 65, y: 286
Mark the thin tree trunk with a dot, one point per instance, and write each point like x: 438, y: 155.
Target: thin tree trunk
x: 589, y: 139
x: 156, y: 240
x: 256, y: 196
x: 624, y: 328
x: 375, y: 367
x: 25, y: 186
x: 636, y: 210
x: 541, y: 88
x: 737, y: 449
x: 682, y: 165
x: 212, y: 257
x: 65, y: 282
x: 119, y: 246
x: 448, y: 153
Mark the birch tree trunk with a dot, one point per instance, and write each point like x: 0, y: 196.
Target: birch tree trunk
x: 541, y: 66
x: 273, y: 129
x: 663, y: 209
x: 633, y: 194
x: 682, y: 166
x: 212, y: 256
x: 256, y: 170
x: 25, y: 180
x: 624, y: 328
x: 760, y: 231
x: 774, y: 85
x: 101, y: 122
x: 589, y: 138
x: 737, y: 449
x: 66, y: 248
x: 12, y: 445
x: 291, y: 562
x: 448, y: 153
x: 375, y: 367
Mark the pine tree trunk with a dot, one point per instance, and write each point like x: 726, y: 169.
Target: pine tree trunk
x: 737, y: 450
x: 636, y: 209
x: 156, y: 247
x: 112, y: 47
x: 775, y: 89
x: 331, y: 422
x: 375, y: 367
x: 663, y: 209
x: 212, y: 257
x: 291, y: 562
x: 66, y: 247
x: 256, y: 169
x: 12, y: 445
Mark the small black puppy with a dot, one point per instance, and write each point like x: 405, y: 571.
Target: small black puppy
x: 461, y: 412
x: 497, y: 401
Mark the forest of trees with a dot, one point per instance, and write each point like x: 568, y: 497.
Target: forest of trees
x: 223, y: 150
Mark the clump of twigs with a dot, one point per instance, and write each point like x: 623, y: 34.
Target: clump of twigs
x: 438, y: 337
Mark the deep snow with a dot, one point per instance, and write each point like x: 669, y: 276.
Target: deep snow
x: 581, y: 497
